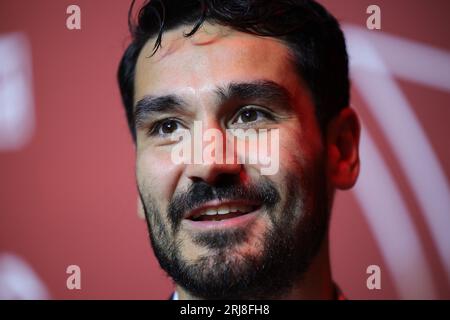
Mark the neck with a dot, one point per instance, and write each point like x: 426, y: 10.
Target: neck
x: 316, y: 283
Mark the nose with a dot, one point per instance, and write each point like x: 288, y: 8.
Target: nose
x: 223, y: 164
x: 213, y: 172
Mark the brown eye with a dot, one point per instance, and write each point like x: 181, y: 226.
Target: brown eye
x: 168, y: 127
x: 252, y: 115
x: 165, y: 127
x: 249, y: 116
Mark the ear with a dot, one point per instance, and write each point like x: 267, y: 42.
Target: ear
x: 140, y: 208
x: 342, y: 145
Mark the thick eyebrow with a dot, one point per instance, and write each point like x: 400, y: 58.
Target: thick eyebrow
x: 151, y: 105
x: 261, y: 90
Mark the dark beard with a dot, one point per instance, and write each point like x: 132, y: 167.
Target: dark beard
x: 289, y: 244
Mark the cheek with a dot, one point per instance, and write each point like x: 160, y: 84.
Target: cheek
x: 157, y: 174
x: 298, y: 151
x: 300, y: 142
x: 293, y: 151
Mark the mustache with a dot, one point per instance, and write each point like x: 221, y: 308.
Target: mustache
x: 264, y: 193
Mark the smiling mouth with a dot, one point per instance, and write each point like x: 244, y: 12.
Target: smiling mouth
x: 222, y: 212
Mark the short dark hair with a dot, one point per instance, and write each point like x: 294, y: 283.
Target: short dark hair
x: 311, y: 33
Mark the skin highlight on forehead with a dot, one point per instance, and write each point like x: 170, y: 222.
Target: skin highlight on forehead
x: 198, y: 57
x: 174, y: 40
x: 208, y: 33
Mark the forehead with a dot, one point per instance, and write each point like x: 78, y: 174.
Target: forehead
x: 212, y: 57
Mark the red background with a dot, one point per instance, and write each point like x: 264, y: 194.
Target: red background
x: 69, y: 197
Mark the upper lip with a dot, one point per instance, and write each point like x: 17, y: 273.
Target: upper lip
x: 219, y: 203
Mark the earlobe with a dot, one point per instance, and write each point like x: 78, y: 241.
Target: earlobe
x: 343, y: 134
x: 140, y: 208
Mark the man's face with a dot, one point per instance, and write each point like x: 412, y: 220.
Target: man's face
x: 270, y: 226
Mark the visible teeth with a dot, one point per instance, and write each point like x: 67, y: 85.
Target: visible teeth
x: 223, y: 210
x: 210, y: 212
